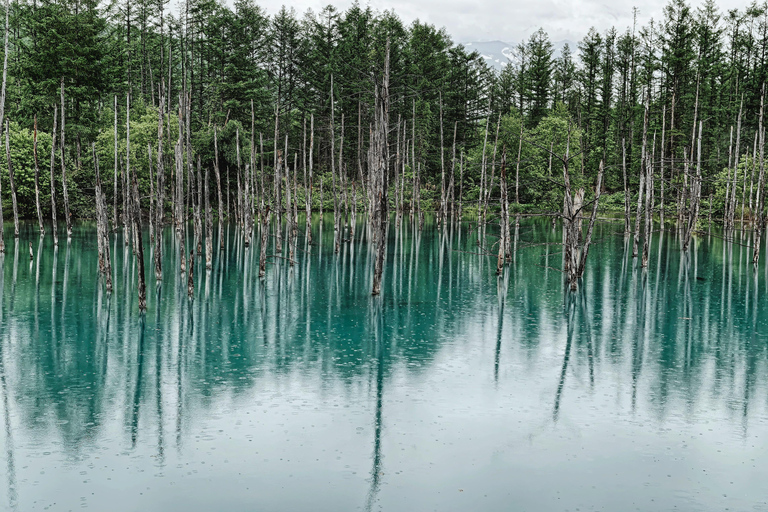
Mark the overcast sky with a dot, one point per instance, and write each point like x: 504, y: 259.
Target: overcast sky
x: 512, y: 21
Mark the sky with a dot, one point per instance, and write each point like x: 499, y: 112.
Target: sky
x: 513, y: 21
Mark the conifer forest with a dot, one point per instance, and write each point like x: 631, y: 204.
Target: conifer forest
x: 276, y: 258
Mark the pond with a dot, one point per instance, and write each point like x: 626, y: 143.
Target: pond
x: 454, y: 390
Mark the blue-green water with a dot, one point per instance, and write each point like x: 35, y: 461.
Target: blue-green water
x: 454, y: 390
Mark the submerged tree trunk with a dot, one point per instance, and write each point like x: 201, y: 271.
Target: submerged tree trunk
x: 52, y: 180
x: 503, y: 215
x: 105, y: 265
x: 218, y: 185
x: 67, y: 215
x: 308, y: 180
x: 380, y: 171
x: 592, y: 218
x: 11, y: 181
x: 263, y: 247
x: 142, y: 288
x: 760, y: 198
x: 37, y: 180
x: 695, y: 195
x: 208, y: 224
x: 160, y: 194
x: 2, y: 108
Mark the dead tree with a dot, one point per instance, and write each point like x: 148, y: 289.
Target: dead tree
x: 142, y: 288
x: 760, y: 197
x: 308, y: 179
x: 102, y: 225
x: 592, y: 218
x: 37, y: 180
x: 503, y: 215
x: 67, y: 215
x: 218, y: 185
x: 11, y: 181
x: 2, y: 109
x: 263, y: 248
x: 643, y: 156
x: 191, y: 275
x: 208, y: 224
x: 380, y: 171
x: 160, y: 194
x: 695, y: 195
x: 53, y: 180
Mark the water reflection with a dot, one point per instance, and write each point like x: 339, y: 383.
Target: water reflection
x: 301, y: 380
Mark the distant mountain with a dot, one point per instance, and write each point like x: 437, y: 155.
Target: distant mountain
x: 498, y: 54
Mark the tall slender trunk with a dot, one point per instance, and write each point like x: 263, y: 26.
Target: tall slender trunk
x: 592, y: 218
x: 142, y: 288
x: 2, y: 107
x: 308, y: 179
x: 37, y: 181
x: 114, y: 192
x: 380, y: 170
x: 67, y: 215
x: 503, y: 215
x: 442, y: 215
x: 760, y: 198
x: 101, y: 200
x: 643, y: 157
x: 482, y: 185
x: 160, y: 193
x: 695, y: 196
x: 627, y: 208
x: 218, y: 184
x: 11, y: 181
x: 52, y: 180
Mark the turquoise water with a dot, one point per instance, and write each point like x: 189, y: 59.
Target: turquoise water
x: 454, y: 390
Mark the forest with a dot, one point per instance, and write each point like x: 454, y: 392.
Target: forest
x: 236, y: 109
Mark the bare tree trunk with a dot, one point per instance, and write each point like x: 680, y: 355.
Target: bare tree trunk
x: 482, y: 186
x: 662, y: 184
x: 218, y: 184
x: 503, y: 215
x: 114, y: 192
x: 643, y: 157
x: 37, y: 180
x: 160, y: 193
x: 442, y: 216
x: 695, y: 197
x: 191, y: 275
x: 380, y: 170
x: 648, y: 209
x: 461, y: 188
x: 105, y: 265
x: 139, y: 244
x: 64, y: 169
x: 592, y: 218
x: 11, y: 180
x: 263, y: 247
x: 208, y: 223
x: 308, y: 184
x: 53, y: 183
x: 732, y: 202
x: 517, y: 167
x: 452, y: 182
x: 2, y: 110
x: 760, y: 198
x: 627, y: 208
x: 151, y: 195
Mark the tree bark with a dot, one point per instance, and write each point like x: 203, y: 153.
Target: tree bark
x: 67, y: 215
x: 11, y: 181
x: 37, y: 181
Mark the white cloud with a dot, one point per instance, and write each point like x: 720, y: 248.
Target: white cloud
x: 488, y: 20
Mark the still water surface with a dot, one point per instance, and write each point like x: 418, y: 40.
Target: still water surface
x: 455, y: 390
